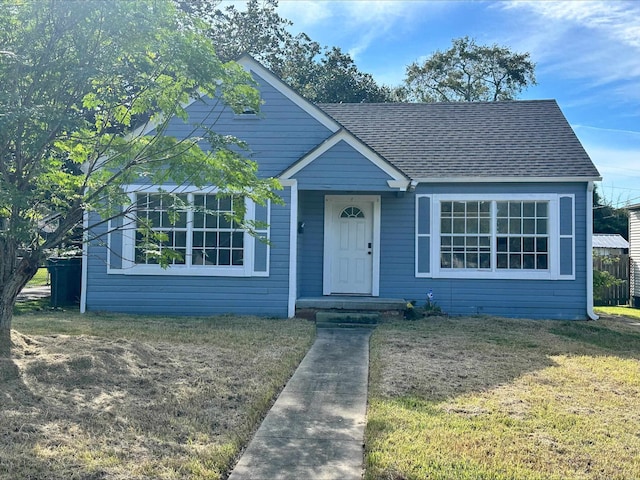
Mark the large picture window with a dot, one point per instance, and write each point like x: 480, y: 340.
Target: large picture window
x: 495, y: 236
x: 198, y: 232
x: 199, y: 228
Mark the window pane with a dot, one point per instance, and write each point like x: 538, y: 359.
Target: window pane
x: 503, y: 209
x: 542, y: 245
x: 472, y: 225
x: 528, y: 244
x: 514, y: 226
x: 502, y: 260
x: 541, y: 227
x: 445, y: 225
x: 528, y: 209
x: 458, y: 260
x: 224, y: 239
x: 485, y: 225
x: 237, y: 257
x: 445, y: 209
x: 502, y: 225
x: 515, y: 209
x: 459, y: 209
x: 541, y: 209
x: 211, y: 239
x: 458, y: 225
x: 542, y: 262
x: 445, y: 260
x: 224, y: 257
x: 515, y: 245
x: 529, y: 262
x: 485, y: 260
x: 514, y: 261
x: 529, y: 226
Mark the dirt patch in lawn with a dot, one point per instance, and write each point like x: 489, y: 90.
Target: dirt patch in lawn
x: 89, y: 407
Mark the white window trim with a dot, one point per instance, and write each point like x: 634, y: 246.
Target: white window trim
x: 129, y: 267
x: 553, y: 273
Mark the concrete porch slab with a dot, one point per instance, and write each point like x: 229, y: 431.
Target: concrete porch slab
x: 342, y: 302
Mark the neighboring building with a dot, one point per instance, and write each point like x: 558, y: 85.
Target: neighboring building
x: 487, y: 205
x: 634, y: 253
x: 606, y: 244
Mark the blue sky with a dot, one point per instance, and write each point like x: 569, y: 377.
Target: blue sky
x: 587, y: 56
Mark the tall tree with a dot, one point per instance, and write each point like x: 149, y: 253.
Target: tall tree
x: 607, y: 218
x: 469, y: 72
x: 76, y: 77
x: 318, y: 73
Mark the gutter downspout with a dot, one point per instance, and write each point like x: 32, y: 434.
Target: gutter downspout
x: 590, y: 313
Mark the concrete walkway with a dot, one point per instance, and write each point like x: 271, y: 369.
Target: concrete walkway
x: 315, y: 430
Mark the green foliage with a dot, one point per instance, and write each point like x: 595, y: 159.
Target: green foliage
x: 469, y: 72
x: 87, y: 89
x: 602, y: 281
x: 320, y: 74
x: 608, y: 219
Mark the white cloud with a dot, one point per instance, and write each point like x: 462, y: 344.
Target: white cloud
x: 595, y: 40
x: 618, y: 20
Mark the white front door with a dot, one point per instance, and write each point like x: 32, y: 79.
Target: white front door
x: 350, y: 251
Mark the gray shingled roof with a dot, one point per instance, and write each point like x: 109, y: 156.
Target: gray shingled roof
x: 492, y: 139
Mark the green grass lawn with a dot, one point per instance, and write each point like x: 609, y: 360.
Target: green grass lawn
x: 40, y: 279
x: 619, y: 311
x: 138, y: 397
x: 489, y: 398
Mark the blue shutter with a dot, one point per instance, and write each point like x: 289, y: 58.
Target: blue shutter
x: 261, y: 248
x: 567, y: 236
x: 423, y: 236
x: 114, y: 243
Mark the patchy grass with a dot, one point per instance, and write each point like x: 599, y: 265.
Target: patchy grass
x: 113, y: 396
x: 619, y: 311
x: 490, y: 398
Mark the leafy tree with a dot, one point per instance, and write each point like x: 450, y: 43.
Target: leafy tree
x: 321, y: 75
x: 468, y: 72
x: 76, y: 78
x: 608, y: 219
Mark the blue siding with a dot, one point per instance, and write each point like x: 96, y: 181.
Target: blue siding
x: 563, y: 299
x: 277, y: 137
x: 310, y: 243
x: 186, y: 295
x: 342, y: 168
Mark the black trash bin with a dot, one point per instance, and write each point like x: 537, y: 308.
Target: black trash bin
x: 66, y: 280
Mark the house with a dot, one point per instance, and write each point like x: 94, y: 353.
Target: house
x: 634, y: 254
x: 487, y: 205
x: 608, y: 244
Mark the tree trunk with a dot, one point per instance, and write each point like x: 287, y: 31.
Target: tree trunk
x: 14, y: 275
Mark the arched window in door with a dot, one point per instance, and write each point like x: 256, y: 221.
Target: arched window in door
x: 352, y: 212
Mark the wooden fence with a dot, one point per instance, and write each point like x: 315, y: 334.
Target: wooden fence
x: 618, y: 267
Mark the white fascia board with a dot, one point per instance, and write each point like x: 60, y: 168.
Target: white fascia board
x: 399, y: 180
x: 85, y: 261
x: 293, y: 248
x: 252, y: 65
x: 589, y: 234
x: 506, y: 179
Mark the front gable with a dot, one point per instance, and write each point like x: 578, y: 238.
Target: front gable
x: 344, y: 163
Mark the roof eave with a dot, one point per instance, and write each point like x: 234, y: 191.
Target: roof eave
x: 518, y: 179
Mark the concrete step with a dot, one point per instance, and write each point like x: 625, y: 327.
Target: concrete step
x: 347, y: 319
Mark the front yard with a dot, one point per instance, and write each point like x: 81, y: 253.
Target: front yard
x: 118, y: 397
x: 489, y: 398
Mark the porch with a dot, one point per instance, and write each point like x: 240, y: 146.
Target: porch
x: 349, y: 308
